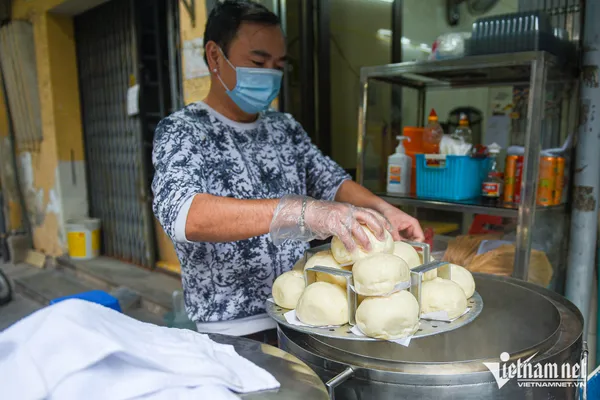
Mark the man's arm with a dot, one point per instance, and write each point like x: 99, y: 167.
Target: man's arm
x: 223, y: 219
x: 326, y: 180
x: 355, y: 194
x: 181, y: 202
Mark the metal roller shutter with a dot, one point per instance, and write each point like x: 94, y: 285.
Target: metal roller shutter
x: 107, y: 51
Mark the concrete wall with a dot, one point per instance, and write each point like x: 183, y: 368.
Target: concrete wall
x: 193, y: 89
x: 7, y: 173
x: 53, y: 175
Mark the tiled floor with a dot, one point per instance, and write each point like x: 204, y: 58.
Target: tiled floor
x: 154, y: 286
x: 145, y: 295
x: 18, y: 308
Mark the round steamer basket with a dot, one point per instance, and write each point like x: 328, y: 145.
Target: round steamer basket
x: 426, y: 327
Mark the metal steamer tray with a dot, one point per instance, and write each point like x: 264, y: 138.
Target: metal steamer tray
x: 426, y: 327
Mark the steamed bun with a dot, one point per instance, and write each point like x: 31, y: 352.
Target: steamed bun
x: 408, y: 253
x: 342, y: 256
x: 443, y: 295
x: 392, y: 317
x: 377, y: 274
x: 325, y: 259
x: 323, y: 303
x: 288, y: 288
x: 464, y: 279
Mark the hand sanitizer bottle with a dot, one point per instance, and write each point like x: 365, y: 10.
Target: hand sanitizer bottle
x: 398, y: 173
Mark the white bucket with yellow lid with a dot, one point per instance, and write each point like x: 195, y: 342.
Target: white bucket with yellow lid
x: 83, y: 237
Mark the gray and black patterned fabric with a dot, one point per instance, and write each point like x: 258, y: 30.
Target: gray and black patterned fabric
x: 197, y: 152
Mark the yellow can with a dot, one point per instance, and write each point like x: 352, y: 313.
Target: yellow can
x: 510, y: 178
x: 546, y: 183
x: 560, y: 181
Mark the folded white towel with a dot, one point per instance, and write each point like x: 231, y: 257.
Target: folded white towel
x: 80, y: 350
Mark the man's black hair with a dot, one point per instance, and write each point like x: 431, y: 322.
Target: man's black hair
x: 227, y: 16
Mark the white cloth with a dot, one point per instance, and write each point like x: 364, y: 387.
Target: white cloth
x: 554, y: 152
x: 81, y: 350
x: 451, y: 146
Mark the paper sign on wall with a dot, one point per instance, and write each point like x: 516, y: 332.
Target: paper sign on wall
x: 498, y: 130
x: 193, y: 59
x: 133, y: 100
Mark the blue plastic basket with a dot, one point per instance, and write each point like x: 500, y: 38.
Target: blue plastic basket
x: 453, y: 178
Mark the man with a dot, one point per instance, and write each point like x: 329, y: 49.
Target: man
x: 240, y: 190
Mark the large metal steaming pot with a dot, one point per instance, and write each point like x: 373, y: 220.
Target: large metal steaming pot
x: 519, y: 318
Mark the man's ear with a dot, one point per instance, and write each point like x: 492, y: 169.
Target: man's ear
x: 213, y: 56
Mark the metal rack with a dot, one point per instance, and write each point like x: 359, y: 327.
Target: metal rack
x: 535, y: 69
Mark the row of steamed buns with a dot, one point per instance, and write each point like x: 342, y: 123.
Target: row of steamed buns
x: 375, y: 274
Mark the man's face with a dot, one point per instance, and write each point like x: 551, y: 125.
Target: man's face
x: 255, y: 46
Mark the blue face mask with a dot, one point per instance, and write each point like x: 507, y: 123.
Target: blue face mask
x: 256, y: 88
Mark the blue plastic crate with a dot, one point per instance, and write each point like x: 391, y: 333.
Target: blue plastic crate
x: 593, y: 385
x: 94, y: 296
x: 453, y: 178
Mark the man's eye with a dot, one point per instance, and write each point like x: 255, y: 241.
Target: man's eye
x: 259, y: 63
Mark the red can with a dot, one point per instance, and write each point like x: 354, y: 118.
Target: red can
x: 518, y: 178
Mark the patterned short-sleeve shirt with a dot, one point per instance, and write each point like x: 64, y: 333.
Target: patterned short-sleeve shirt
x: 197, y: 150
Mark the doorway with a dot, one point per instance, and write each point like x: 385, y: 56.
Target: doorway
x: 126, y: 86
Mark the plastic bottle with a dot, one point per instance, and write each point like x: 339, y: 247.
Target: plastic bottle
x: 399, y: 166
x: 491, y: 188
x: 432, y: 134
x: 463, y: 132
x: 413, y: 147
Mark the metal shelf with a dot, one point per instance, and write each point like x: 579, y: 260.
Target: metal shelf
x: 536, y: 70
x: 470, y: 71
x: 475, y: 206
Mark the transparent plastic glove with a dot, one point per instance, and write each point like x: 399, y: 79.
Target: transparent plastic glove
x: 323, y: 219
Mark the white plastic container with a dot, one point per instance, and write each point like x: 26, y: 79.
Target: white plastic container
x: 83, y: 237
x: 398, y: 171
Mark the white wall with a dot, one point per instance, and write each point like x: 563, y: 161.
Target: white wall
x: 354, y: 44
x: 415, y: 14
x: 354, y: 26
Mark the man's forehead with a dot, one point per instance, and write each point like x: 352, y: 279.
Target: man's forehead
x: 262, y: 40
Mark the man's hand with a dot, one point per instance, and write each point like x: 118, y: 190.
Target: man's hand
x: 303, y: 218
x: 403, y: 225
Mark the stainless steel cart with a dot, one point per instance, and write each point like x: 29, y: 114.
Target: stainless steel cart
x: 520, y: 321
x: 298, y: 381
